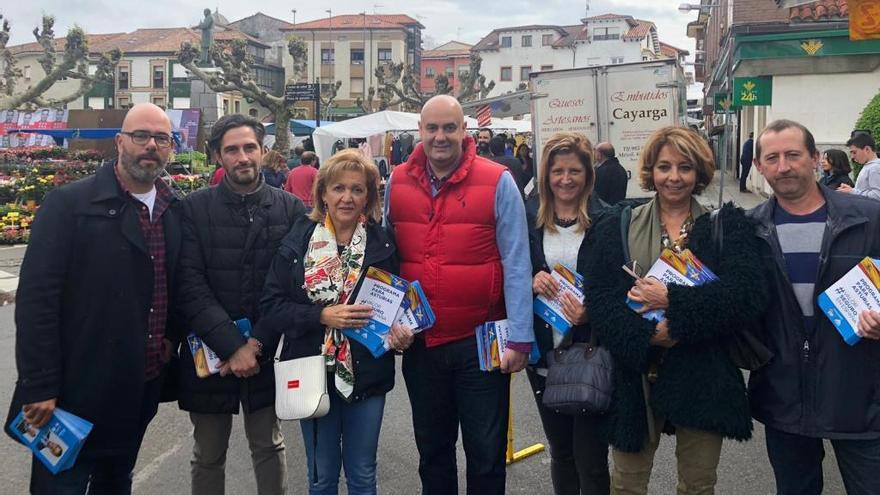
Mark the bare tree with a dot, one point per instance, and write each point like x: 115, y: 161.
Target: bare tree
x: 234, y: 75
x: 73, y: 63
x: 400, y: 85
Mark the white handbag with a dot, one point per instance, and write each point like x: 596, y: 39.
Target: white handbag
x: 301, y: 388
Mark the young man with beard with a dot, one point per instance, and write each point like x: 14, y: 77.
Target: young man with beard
x: 92, y: 312
x: 230, y: 234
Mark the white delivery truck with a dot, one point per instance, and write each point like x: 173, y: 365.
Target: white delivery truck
x: 621, y: 104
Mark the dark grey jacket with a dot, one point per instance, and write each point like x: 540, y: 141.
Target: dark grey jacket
x: 817, y: 385
x: 229, y: 241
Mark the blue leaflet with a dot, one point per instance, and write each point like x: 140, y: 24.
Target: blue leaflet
x: 57, y: 443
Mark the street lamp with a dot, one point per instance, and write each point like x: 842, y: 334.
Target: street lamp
x: 684, y: 8
x: 727, y: 88
x: 294, y: 15
x: 364, y: 61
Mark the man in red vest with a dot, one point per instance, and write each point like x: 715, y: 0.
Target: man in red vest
x: 460, y: 227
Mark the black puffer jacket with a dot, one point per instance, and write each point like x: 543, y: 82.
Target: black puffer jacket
x: 543, y: 330
x: 817, y: 385
x: 229, y: 241
x: 697, y: 386
x: 287, y: 309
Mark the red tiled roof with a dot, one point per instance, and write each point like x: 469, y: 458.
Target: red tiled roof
x: 639, y: 31
x: 819, y: 11
x: 445, y: 53
x: 163, y: 40
x: 153, y: 40
x: 670, y: 51
x: 574, y: 33
x: 95, y: 43
x: 356, y: 21
x: 605, y: 17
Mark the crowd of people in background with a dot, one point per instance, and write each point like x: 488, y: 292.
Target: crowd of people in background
x: 119, y: 270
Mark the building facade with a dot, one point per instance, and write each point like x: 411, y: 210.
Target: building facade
x: 511, y: 54
x: 349, y: 48
x: 451, y: 59
x: 149, y: 70
x: 810, y: 70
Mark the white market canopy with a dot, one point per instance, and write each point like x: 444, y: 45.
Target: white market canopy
x: 388, y: 120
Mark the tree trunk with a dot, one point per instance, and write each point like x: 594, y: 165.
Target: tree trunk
x: 283, y: 114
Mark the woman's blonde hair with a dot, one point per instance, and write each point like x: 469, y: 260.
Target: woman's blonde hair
x: 348, y: 160
x: 274, y: 161
x: 564, y: 143
x: 687, y: 143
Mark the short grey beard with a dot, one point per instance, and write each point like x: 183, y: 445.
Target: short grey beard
x: 141, y: 174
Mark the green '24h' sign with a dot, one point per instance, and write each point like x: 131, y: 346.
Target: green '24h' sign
x: 753, y: 91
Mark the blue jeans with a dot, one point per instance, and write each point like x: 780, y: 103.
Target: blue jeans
x: 347, y: 436
x: 797, y: 463
x: 446, y: 390
x: 110, y: 474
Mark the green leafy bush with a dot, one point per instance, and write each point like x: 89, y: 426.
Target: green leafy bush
x: 869, y: 120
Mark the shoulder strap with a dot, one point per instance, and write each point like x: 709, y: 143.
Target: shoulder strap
x: 625, y: 217
x: 717, y: 233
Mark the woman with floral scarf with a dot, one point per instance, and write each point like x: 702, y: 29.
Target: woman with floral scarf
x: 311, y: 278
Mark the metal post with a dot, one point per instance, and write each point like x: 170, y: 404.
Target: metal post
x: 725, y: 145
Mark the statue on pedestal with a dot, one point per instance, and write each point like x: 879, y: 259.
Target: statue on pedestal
x: 207, y: 28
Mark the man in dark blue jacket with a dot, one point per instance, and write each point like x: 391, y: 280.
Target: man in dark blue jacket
x: 817, y: 386
x: 92, y: 313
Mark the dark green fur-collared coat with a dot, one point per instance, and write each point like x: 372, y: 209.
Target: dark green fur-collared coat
x: 697, y: 387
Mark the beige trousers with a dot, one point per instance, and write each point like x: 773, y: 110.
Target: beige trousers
x: 211, y: 440
x: 696, y: 452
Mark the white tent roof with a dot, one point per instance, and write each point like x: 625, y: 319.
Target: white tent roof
x: 362, y: 127
x: 389, y: 120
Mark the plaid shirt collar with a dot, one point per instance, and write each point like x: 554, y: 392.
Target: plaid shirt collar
x: 164, y: 195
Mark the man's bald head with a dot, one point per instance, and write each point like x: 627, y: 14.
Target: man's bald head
x: 145, y: 112
x: 444, y: 103
x: 442, y: 128
x: 605, y: 151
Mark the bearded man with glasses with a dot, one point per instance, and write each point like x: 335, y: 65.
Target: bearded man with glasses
x: 93, y: 326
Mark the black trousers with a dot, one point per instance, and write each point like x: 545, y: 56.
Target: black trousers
x: 578, y: 456
x: 446, y: 390
x: 100, y: 475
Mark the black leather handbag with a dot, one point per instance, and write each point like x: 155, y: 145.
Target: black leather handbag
x: 579, y: 379
x: 744, y: 348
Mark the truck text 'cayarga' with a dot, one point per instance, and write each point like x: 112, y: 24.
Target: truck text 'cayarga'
x: 633, y: 115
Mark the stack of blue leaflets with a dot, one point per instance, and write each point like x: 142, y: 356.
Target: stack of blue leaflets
x: 385, y: 292
x: 492, y: 338
x: 206, y: 360
x: 549, y: 310
x: 57, y: 443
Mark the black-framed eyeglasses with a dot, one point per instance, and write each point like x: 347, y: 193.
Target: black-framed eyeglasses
x: 143, y: 137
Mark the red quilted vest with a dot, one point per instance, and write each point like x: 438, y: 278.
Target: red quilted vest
x: 447, y: 242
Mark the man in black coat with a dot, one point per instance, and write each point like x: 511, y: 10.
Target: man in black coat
x: 817, y: 386
x: 611, y: 177
x: 745, y: 161
x: 92, y: 312
x: 231, y: 232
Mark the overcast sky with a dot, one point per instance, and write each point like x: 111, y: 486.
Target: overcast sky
x: 444, y: 20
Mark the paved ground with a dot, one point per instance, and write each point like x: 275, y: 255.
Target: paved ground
x: 163, y: 465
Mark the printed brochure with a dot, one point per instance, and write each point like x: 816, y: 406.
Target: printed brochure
x: 550, y: 310
x: 207, y: 361
x: 673, y: 268
x: 492, y: 338
x: 415, y: 312
x: 385, y: 292
x: 857, y: 291
x: 58, y: 442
